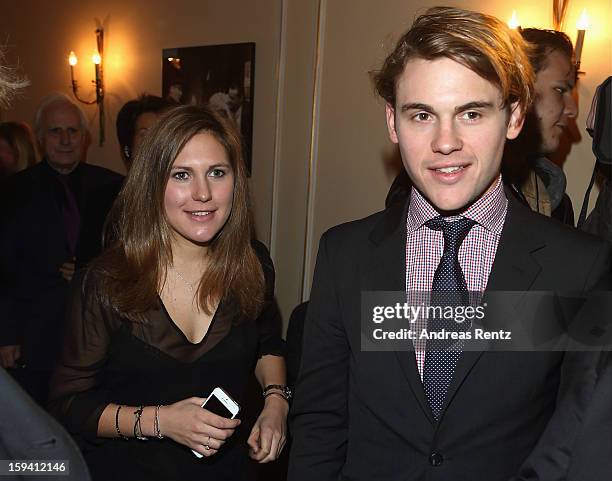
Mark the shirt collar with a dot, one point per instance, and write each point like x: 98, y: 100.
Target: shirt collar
x: 54, y: 171
x: 488, y: 211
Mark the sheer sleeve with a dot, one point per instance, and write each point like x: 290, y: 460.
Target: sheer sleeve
x: 269, y: 322
x: 77, y: 396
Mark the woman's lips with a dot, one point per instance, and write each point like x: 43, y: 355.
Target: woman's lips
x: 200, y: 215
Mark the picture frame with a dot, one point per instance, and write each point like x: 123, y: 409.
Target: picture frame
x: 219, y: 76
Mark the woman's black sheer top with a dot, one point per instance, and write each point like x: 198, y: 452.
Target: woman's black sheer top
x: 106, y: 358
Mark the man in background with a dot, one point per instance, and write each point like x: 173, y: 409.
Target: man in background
x: 52, y: 216
x: 542, y: 183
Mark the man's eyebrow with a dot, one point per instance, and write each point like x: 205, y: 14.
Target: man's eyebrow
x: 473, y: 105
x: 417, y: 106
x: 460, y: 108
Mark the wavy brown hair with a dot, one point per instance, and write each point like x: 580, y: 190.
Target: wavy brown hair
x: 131, y: 272
x: 480, y: 42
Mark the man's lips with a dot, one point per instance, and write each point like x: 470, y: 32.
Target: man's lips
x: 449, y: 173
x: 449, y: 167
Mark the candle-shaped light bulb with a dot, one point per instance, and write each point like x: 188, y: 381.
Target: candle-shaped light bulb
x: 513, y: 23
x: 582, y: 25
x: 96, y: 58
x: 72, y: 60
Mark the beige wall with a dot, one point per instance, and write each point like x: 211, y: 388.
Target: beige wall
x: 321, y: 153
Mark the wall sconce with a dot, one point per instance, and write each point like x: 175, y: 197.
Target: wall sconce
x: 582, y: 25
x: 559, y: 12
x: 97, y: 59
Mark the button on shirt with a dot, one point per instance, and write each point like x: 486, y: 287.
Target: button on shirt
x: 424, y: 248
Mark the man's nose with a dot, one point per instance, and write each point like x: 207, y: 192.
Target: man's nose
x: 64, y: 137
x: 446, y: 139
x: 570, y: 107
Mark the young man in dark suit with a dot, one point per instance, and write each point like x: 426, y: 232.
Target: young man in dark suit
x: 456, y: 88
x: 52, y: 216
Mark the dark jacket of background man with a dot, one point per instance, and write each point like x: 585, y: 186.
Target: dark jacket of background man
x: 34, y: 251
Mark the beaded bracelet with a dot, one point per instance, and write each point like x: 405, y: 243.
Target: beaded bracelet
x: 137, y: 427
x: 117, y: 423
x: 156, y: 430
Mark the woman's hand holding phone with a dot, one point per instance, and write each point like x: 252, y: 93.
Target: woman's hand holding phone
x: 187, y: 423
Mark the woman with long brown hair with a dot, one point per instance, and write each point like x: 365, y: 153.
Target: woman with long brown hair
x: 179, y: 304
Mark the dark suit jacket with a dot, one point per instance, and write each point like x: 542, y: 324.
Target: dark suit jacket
x: 591, y: 456
x: 295, y: 334
x: 364, y: 415
x: 29, y: 433
x: 33, y: 247
x: 576, y: 443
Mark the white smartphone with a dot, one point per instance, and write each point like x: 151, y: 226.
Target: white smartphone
x: 220, y: 403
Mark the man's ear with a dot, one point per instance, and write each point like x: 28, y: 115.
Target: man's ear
x: 390, y: 113
x: 515, y: 122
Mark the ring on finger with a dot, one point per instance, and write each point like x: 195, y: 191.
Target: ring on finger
x: 207, y: 445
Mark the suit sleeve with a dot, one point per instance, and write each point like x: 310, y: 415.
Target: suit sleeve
x: 28, y: 432
x: 319, y: 418
x: 555, y: 451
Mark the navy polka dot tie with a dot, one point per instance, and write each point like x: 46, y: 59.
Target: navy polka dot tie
x: 448, y: 289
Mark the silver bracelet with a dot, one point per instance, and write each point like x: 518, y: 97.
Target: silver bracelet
x: 156, y: 430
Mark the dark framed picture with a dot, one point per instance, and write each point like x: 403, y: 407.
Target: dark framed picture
x: 220, y: 76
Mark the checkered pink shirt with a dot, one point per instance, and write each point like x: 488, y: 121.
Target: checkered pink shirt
x: 424, y: 247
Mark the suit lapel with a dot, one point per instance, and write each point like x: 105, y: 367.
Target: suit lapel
x: 514, y: 269
x: 385, y: 270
